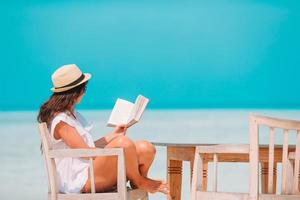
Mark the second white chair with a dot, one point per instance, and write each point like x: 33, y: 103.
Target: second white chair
x: 289, y: 178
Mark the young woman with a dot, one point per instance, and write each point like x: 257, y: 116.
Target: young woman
x: 69, y: 129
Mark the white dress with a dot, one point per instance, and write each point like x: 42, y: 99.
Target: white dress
x: 72, y: 173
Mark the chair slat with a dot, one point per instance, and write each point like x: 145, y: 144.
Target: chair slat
x: 215, y: 183
x: 121, y: 176
x: 284, y: 161
x: 92, y: 174
x: 271, y: 161
x: 296, y: 168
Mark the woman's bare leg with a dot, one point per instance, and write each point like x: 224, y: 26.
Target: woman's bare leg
x: 106, y: 169
x: 146, y: 153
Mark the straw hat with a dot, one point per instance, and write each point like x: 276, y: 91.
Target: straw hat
x: 67, y: 77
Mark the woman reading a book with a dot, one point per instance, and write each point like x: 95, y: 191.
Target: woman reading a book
x: 69, y: 129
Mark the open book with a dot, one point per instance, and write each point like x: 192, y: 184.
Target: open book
x: 127, y: 113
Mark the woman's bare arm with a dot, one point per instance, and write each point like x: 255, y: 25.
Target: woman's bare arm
x: 102, y: 142
x: 70, y: 136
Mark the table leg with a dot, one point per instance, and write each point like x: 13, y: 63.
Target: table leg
x: 274, y: 177
x: 205, y: 165
x: 174, y: 178
x: 264, y: 177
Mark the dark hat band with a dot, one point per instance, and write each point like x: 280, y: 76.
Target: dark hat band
x: 73, y: 83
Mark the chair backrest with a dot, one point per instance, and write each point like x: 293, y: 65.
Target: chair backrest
x: 286, y: 126
x: 50, y: 163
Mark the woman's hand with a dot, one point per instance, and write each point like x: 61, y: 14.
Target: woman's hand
x: 120, y: 129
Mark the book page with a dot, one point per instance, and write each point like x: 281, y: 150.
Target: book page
x: 131, y: 122
x: 120, y: 113
x: 133, y: 111
x: 137, y: 110
x: 141, y: 104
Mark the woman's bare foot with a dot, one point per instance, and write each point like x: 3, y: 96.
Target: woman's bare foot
x: 153, y: 186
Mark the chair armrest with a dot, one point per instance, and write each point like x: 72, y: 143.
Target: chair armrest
x: 80, y: 153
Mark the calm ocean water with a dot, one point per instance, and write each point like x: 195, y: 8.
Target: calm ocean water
x: 23, y: 176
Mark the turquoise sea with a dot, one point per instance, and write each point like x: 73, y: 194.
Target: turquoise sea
x: 180, y: 54
x: 23, y: 175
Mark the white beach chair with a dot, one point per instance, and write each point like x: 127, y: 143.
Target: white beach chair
x: 289, y: 181
x: 53, y: 194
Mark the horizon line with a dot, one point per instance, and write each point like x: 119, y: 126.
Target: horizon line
x: 169, y: 108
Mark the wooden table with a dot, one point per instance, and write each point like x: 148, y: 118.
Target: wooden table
x: 176, y: 153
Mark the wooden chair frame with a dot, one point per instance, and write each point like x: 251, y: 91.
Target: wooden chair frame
x: 290, y: 178
x: 54, y: 194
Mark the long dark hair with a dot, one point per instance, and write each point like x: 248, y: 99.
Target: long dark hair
x: 60, y: 102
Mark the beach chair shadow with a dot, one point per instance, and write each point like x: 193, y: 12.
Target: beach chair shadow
x: 289, y: 180
x: 122, y: 193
